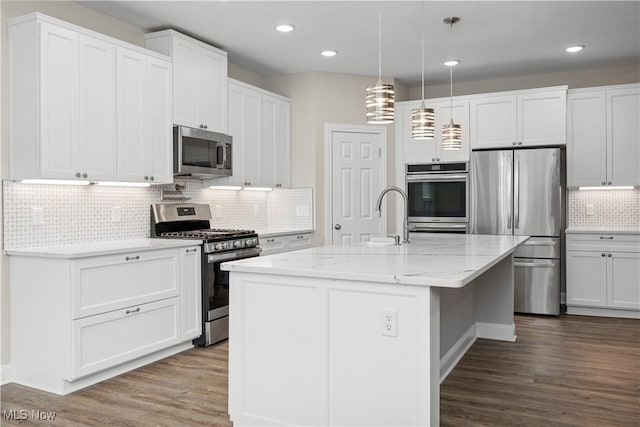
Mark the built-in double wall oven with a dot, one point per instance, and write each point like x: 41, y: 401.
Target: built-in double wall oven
x: 438, y: 197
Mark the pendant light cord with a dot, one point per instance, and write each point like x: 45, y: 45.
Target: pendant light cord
x: 379, y: 43
x: 422, y: 23
x: 451, y: 70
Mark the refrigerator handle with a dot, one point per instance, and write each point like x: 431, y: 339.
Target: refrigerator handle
x: 516, y: 192
x: 510, y: 190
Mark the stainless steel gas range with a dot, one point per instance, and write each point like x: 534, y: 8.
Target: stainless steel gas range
x: 192, y: 221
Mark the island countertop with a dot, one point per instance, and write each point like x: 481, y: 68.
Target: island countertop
x: 442, y: 260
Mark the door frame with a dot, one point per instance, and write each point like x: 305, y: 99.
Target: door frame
x: 329, y: 129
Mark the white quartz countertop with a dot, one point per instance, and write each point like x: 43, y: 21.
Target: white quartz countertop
x: 443, y: 260
x: 83, y: 250
x: 275, y: 232
x: 600, y: 231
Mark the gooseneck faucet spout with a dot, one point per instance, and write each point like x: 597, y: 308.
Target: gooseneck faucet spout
x: 405, y: 228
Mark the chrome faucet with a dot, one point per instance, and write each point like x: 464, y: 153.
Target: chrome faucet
x: 405, y: 228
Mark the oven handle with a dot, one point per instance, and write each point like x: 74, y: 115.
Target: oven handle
x: 439, y: 177
x: 235, y: 255
x: 452, y: 227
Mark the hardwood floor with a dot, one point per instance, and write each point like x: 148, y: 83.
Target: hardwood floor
x: 568, y: 371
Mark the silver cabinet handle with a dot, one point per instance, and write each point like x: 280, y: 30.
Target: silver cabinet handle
x: 146, y: 178
x: 84, y: 175
x: 191, y: 250
x: 609, y: 183
x: 133, y: 311
x: 77, y: 174
x: 206, y: 127
x: 300, y: 237
x: 609, y: 255
x: 513, y: 143
x: 606, y: 237
x: 201, y: 126
x: 602, y: 254
x: 604, y: 183
x: 519, y: 142
x: 271, y: 240
x: 337, y: 226
x: 151, y: 178
x: 132, y: 258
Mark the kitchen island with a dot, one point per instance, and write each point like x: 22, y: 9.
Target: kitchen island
x: 362, y: 334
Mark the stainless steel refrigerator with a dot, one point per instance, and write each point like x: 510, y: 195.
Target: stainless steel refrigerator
x: 521, y: 192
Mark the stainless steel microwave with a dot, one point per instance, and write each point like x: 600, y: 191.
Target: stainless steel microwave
x: 201, y: 154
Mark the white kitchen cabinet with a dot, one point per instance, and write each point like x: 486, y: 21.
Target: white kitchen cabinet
x: 430, y: 150
x: 276, y: 147
x: 62, y: 102
x: 603, y: 136
x: 82, y: 103
x: 145, y: 139
x: 101, y: 315
x: 521, y: 118
x: 259, y: 122
x: 285, y: 242
x: 200, y: 80
x: 603, y: 274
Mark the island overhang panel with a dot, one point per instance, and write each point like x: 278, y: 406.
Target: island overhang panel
x: 362, y: 334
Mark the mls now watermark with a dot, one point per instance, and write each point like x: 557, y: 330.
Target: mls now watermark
x: 23, y: 414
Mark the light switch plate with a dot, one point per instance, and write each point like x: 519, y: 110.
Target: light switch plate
x: 116, y: 214
x: 589, y: 209
x: 36, y: 215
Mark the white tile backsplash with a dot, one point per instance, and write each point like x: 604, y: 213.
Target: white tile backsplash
x: 84, y: 214
x: 612, y: 209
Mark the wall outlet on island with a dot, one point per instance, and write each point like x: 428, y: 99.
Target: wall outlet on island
x: 389, y: 322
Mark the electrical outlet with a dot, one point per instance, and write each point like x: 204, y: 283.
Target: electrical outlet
x: 589, y: 209
x: 389, y: 322
x: 116, y: 214
x: 36, y: 216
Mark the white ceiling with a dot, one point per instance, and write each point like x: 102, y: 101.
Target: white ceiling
x: 493, y: 38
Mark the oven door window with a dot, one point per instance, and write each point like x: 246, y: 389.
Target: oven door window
x: 199, y: 152
x: 437, y: 199
x: 218, y: 287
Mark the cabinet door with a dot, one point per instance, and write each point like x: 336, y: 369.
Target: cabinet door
x: 493, y: 122
x: 623, y: 284
x: 191, y: 293
x: 623, y: 137
x: 59, y: 112
x: 460, y: 112
x: 415, y: 150
x: 186, y: 83
x: 105, y: 340
x: 212, y: 93
x: 97, y: 109
x: 275, y: 142
x: 299, y: 241
x: 542, y: 118
x: 158, y: 101
x: 586, y: 145
x: 586, y: 278
x: 132, y: 118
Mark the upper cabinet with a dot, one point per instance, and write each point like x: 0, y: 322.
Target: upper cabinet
x: 519, y: 119
x: 430, y: 150
x: 259, y: 123
x: 603, y: 145
x: 67, y: 90
x: 199, y: 80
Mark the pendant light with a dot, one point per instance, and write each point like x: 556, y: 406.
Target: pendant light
x: 451, y: 133
x: 381, y: 97
x: 422, y: 119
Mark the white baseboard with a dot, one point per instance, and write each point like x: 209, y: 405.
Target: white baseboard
x: 455, y: 353
x: 603, y: 312
x: 496, y: 331
x: 7, y: 374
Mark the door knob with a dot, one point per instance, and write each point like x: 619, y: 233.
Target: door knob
x: 337, y: 227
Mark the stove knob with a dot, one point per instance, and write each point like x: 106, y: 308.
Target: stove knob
x: 218, y: 247
x: 249, y: 242
x: 238, y: 243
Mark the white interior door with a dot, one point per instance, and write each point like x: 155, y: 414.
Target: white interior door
x: 358, y: 175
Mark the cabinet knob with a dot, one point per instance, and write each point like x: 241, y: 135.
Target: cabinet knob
x: 146, y: 178
x: 77, y: 174
x: 609, y: 255
x: 513, y: 143
x: 206, y: 127
x: 519, y: 142
x: 278, y: 185
x: 602, y: 254
x: 84, y: 175
x: 609, y: 183
x: 604, y: 183
x: 433, y: 159
x: 151, y: 178
x: 437, y: 159
x: 201, y: 126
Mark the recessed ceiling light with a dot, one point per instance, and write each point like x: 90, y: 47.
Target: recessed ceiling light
x: 329, y: 53
x: 451, y: 62
x: 285, y: 28
x: 574, y: 49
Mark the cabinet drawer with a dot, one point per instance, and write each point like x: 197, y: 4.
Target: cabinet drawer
x: 106, y: 340
x: 272, y: 245
x: 603, y: 242
x: 299, y: 241
x: 101, y: 284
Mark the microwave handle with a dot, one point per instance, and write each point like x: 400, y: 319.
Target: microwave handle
x: 226, y: 155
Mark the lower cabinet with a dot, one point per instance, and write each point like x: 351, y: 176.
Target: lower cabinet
x: 603, y: 275
x: 78, y: 321
x: 285, y: 242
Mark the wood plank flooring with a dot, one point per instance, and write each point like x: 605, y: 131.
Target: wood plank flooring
x: 567, y: 371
